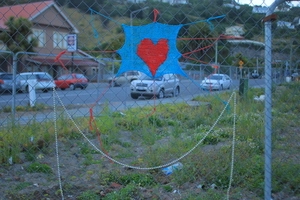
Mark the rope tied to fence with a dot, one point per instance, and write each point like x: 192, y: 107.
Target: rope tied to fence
x: 233, y: 96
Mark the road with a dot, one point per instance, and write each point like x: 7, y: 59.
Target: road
x: 79, y: 102
x: 101, y: 93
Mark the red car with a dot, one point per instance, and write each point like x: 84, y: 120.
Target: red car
x: 71, y: 81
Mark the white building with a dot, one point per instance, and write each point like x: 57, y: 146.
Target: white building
x: 235, y: 30
x: 284, y: 24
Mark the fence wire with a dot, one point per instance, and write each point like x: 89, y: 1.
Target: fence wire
x: 98, y: 98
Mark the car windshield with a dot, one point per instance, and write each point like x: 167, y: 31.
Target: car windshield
x: 44, y: 77
x: 145, y: 77
x: 80, y: 76
x: 215, y: 77
x: 65, y: 77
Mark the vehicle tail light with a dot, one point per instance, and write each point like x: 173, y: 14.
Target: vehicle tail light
x: 1, y: 81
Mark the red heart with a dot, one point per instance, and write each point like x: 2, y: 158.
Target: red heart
x: 153, y: 54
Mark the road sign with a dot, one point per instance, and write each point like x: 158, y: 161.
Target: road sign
x: 241, y: 63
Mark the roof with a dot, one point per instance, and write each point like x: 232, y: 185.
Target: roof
x: 29, y: 11
x: 64, y: 61
x: 247, y: 42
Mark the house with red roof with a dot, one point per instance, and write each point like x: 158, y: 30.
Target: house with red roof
x: 52, y: 29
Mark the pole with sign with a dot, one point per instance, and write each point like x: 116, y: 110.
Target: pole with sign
x: 72, y: 45
x: 241, y: 68
x: 243, y: 89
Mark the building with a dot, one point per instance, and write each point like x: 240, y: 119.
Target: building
x: 51, y: 28
x: 284, y: 24
x: 172, y: 2
x: 235, y: 30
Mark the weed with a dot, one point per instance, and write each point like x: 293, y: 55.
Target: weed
x: 106, y: 178
x: 86, y: 148
x: 6, y: 109
x: 23, y: 185
x: 39, y: 168
x: 88, y: 195
x: 171, y: 131
x: 127, y: 193
x: 285, y: 173
x: 89, y: 160
x: 37, y: 107
x: 139, y: 179
x: 30, y: 154
x: 168, y: 188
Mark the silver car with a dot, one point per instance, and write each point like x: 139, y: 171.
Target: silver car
x: 124, y: 78
x: 160, y: 87
x: 7, y: 81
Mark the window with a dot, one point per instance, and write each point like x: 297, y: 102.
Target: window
x: 44, y: 77
x: 80, y: 76
x: 59, y: 40
x: 40, y: 36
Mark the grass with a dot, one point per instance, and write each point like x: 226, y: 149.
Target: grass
x: 39, y: 167
x: 37, y: 107
x: 167, y: 134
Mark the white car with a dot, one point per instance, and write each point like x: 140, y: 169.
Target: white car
x: 41, y: 81
x: 216, y: 82
x: 160, y: 87
x: 255, y: 74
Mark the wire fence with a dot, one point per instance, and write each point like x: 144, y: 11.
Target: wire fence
x: 149, y: 100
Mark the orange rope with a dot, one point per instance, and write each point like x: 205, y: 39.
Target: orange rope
x: 57, y: 59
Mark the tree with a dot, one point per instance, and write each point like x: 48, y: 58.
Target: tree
x: 17, y: 34
x: 201, y: 46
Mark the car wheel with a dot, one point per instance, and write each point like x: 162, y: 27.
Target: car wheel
x: 62, y: 88
x: 134, y: 96
x: 161, y: 94
x: 176, y: 92
x: 221, y: 87
x: 112, y: 84
x: 72, y: 87
x: 27, y: 89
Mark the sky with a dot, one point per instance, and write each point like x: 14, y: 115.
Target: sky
x: 261, y: 2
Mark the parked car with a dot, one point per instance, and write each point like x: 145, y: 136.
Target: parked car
x: 146, y: 86
x: 71, y: 81
x: 295, y: 76
x: 40, y: 80
x: 255, y: 74
x: 7, y: 81
x: 124, y: 78
x: 216, y: 82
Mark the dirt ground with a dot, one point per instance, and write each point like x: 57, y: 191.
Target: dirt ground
x: 76, y: 177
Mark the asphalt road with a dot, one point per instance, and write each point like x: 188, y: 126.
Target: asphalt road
x: 78, y: 102
x: 101, y: 93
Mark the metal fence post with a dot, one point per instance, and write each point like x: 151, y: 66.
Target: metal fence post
x: 13, y: 102
x: 268, y: 101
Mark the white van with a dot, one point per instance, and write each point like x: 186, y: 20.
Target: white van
x: 41, y: 81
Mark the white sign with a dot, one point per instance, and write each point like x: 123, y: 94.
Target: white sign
x: 72, y: 42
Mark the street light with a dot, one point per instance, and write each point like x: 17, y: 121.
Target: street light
x: 136, y: 11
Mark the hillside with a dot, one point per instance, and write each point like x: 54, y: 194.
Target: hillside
x: 100, y: 34
x: 92, y: 34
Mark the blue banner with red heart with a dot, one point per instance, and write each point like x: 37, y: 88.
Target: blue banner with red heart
x: 151, y: 49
